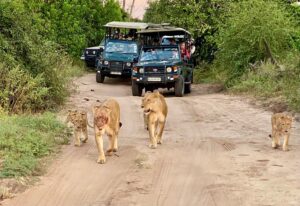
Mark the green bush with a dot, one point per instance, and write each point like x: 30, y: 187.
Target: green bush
x: 253, y: 31
x: 34, y: 71
x: 24, y: 140
x: 19, y: 91
x: 269, y: 81
x: 75, y: 24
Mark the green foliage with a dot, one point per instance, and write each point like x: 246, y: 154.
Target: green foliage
x: 24, y: 140
x: 19, y: 91
x: 78, y: 24
x: 34, y: 71
x: 255, y: 30
x: 269, y: 81
x: 199, y: 17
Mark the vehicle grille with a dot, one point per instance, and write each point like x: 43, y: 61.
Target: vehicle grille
x: 154, y: 70
x: 116, y: 66
x: 91, y: 52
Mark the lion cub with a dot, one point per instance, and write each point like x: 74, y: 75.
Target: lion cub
x: 281, y: 127
x: 155, y: 114
x: 107, y: 121
x: 80, y: 122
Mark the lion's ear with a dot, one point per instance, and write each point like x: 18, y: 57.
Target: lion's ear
x: 94, y: 109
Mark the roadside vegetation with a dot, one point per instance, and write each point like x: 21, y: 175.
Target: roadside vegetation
x: 251, y: 47
x: 40, y: 44
x: 25, y: 140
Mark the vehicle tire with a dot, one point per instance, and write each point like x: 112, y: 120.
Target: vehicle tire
x: 187, y: 88
x: 136, y: 89
x: 179, y: 87
x: 99, y: 77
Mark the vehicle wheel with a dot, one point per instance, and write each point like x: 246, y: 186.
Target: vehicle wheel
x: 179, y: 87
x: 187, y: 88
x: 136, y: 89
x: 99, y: 77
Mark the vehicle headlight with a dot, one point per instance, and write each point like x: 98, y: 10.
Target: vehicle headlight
x: 169, y: 69
x: 105, y: 62
x: 87, y: 52
x: 94, y: 52
x: 141, y: 70
x: 128, y: 64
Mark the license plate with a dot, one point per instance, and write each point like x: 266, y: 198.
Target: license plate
x: 116, y: 73
x: 154, y: 79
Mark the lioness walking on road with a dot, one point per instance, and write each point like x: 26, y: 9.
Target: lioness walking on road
x: 281, y: 127
x: 155, y: 111
x: 107, y: 121
x: 142, y: 106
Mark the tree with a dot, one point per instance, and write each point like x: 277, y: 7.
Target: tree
x: 199, y: 17
x: 254, y: 31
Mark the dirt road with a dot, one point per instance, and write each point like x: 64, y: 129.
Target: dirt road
x: 216, y: 152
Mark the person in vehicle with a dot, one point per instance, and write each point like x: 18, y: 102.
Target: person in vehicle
x: 172, y: 41
x: 185, y: 54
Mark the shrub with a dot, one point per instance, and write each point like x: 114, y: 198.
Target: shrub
x: 269, y: 81
x: 24, y: 140
x: 254, y: 31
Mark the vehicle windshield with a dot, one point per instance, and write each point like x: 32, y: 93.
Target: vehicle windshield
x: 159, y: 54
x: 121, y: 47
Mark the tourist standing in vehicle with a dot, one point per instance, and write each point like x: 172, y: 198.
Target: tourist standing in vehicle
x: 185, y: 54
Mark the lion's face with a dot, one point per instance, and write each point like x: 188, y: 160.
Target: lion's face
x: 285, y: 124
x: 150, y: 103
x: 71, y: 115
x: 144, y: 99
x: 101, y: 116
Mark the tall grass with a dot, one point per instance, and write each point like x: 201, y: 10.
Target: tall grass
x: 25, y: 140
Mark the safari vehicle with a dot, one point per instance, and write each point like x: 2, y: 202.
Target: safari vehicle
x: 91, y: 54
x: 121, y: 50
x: 162, y: 66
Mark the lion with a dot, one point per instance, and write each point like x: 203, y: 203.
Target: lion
x: 281, y: 127
x: 107, y: 121
x: 142, y: 106
x: 155, y: 111
x: 80, y: 121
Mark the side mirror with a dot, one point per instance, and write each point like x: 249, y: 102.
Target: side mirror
x: 101, y: 49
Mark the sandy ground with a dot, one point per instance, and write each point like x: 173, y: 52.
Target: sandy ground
x: 216, y: 151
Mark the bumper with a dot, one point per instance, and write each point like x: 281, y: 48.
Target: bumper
x: 90, y: 61
x: 155, y: 80
x: 112, y: 72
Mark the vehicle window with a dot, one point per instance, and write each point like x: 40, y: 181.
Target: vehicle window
x: 121, y: 47
x: 160, y: 54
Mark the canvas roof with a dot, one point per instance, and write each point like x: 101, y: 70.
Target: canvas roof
x: 127, y: 25
x: 164, y: 30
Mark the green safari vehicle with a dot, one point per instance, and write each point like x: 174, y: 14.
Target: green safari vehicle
x: 163, y: 66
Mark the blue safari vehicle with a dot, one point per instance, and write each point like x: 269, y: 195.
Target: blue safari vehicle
x: 121, y: 50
